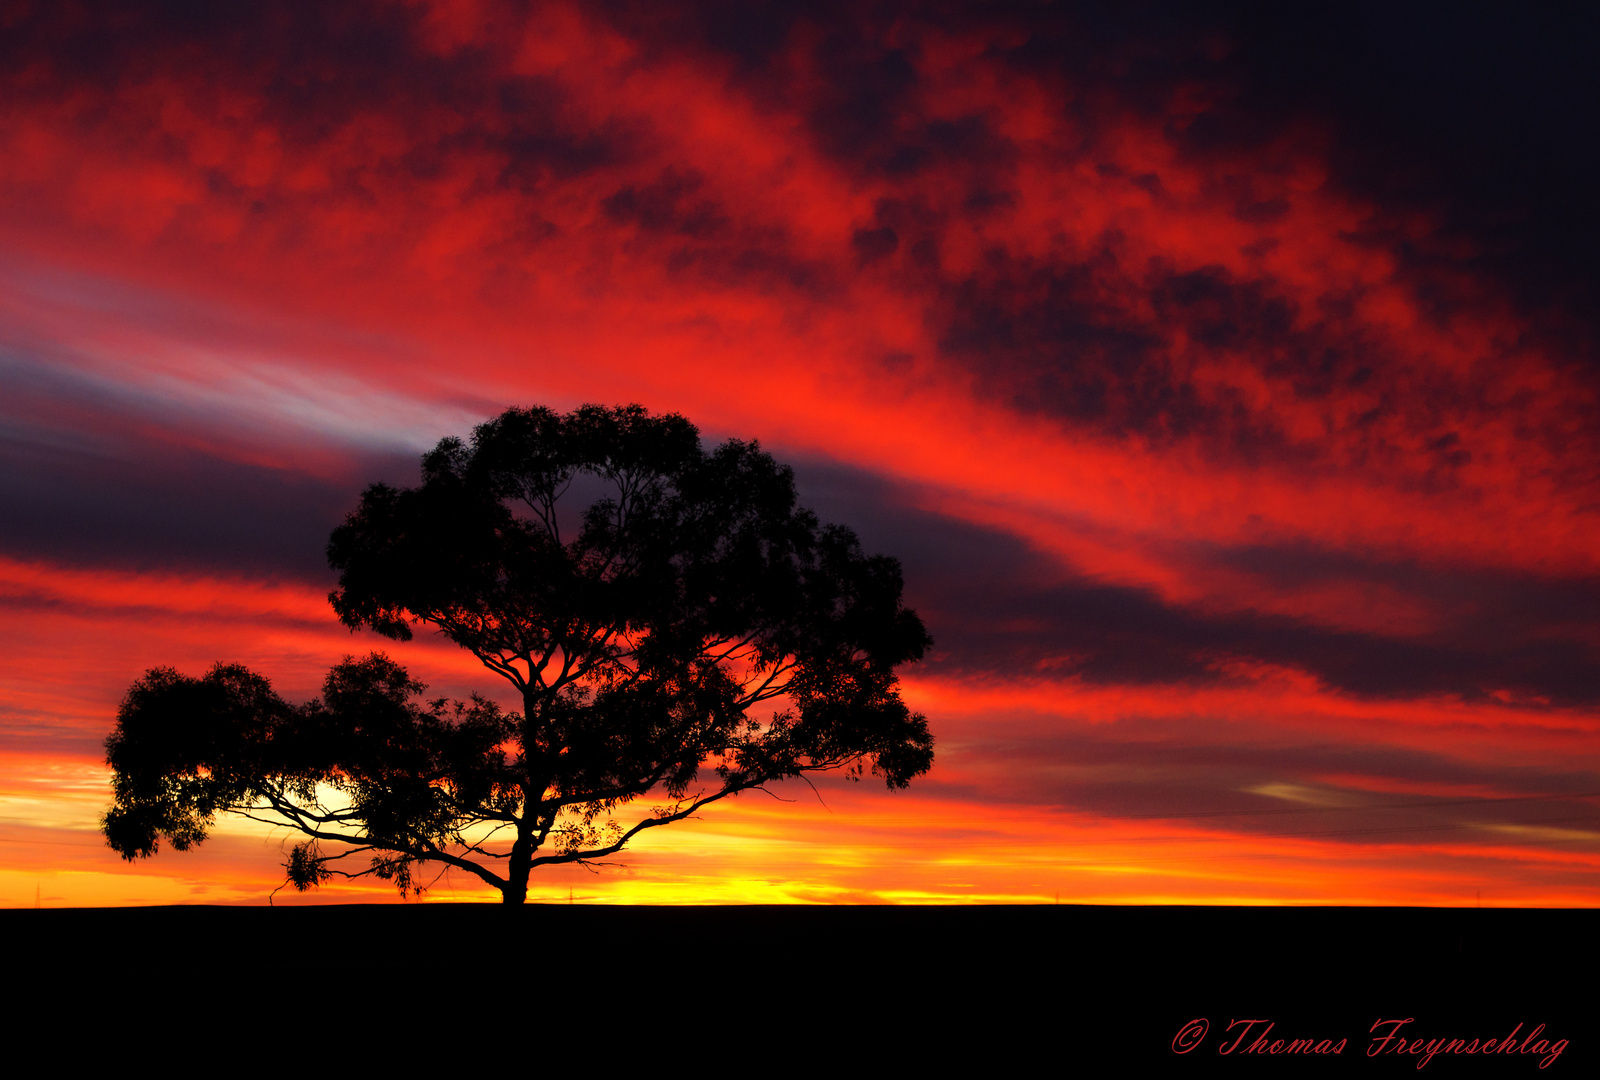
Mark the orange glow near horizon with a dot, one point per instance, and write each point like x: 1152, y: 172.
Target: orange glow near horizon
x: 864, y: 847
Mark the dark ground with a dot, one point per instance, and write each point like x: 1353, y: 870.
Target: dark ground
x: 816, y: 990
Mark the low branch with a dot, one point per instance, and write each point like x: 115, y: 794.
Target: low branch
x: 649, y: 823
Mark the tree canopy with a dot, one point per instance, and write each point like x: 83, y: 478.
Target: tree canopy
x: 675, y: 626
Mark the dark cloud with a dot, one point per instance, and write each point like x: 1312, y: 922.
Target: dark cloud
x: 88, y: 478
x: 311, y: 57
x: 1483, y: 113
x: 874, y: 244
x: 1194, y: 772
x: 672, y: 203
x: 1111, y: 634
x: 1088, y: 339
x: 1042, y: 336
x: 994, y: 606
x: 154, y: 506
x: 307, y: 73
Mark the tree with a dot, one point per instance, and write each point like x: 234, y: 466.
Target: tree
x: 689, y: 632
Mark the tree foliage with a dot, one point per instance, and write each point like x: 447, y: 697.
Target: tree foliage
x: 674, y: 625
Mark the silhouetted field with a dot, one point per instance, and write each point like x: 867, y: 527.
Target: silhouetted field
x: 1019, y: 990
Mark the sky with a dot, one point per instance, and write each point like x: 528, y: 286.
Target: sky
x: 1221, y: 374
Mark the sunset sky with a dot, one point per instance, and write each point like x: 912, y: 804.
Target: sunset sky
x: 1225, y: 380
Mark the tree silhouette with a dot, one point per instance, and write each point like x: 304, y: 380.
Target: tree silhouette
x: 672, y: 622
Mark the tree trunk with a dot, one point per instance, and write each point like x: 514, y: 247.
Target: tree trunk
x: 515, y: 890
